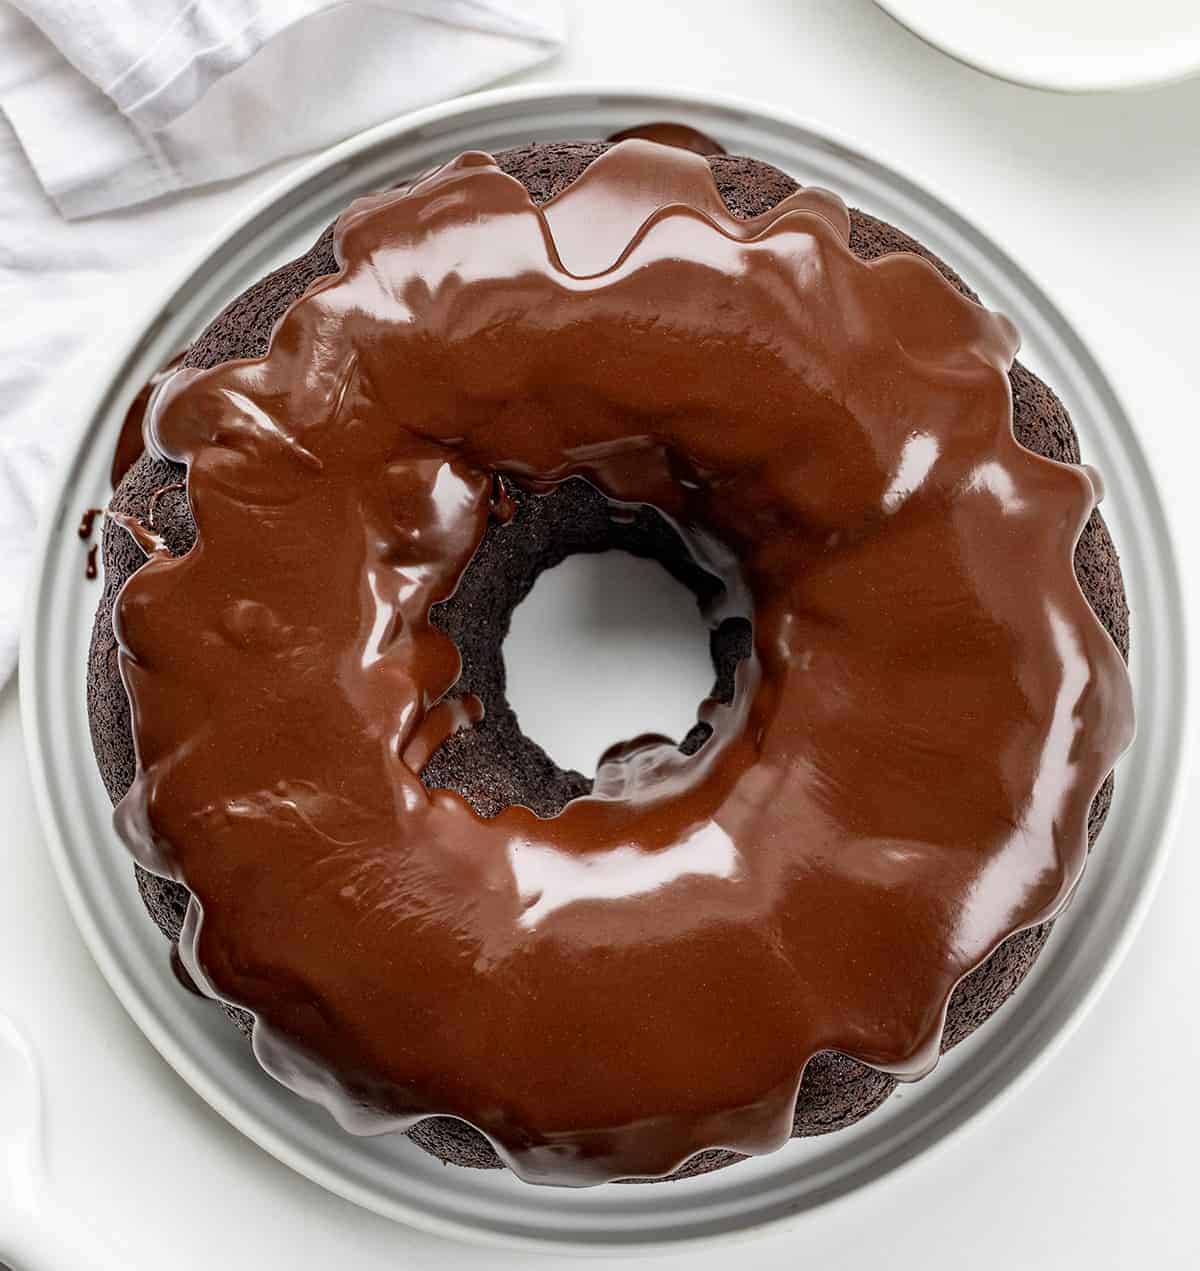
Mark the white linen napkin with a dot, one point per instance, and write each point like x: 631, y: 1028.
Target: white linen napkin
x: 105, y: 104
x: 152, y: 96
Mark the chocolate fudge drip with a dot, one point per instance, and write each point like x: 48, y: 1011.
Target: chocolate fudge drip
x: 682, y: 136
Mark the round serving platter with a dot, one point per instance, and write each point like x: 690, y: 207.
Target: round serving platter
x: 388, y: 1174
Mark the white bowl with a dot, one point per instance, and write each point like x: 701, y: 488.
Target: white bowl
x: 1070, y: 46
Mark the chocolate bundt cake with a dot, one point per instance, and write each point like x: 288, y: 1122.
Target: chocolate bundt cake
x: 852, y: 859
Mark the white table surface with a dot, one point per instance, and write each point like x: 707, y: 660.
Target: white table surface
x: 1089, y: 1165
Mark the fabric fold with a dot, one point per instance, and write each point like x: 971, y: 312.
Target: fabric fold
x: 145, y: 97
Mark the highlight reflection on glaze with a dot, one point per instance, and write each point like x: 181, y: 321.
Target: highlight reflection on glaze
x: 130, y: 443
x: 901, y: 780
x: 548, y: 880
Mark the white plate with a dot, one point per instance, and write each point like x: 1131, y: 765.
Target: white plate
x: 1071, y: 46
x: 389, y: 1175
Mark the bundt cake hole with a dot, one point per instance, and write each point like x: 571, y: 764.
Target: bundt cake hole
x: 622, y: 641
x: 495, y: 764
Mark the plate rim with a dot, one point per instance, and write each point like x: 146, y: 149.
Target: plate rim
x: 1072, y: 86
x: 104, y: 370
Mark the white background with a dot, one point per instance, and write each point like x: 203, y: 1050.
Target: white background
x: 1092, y: 1164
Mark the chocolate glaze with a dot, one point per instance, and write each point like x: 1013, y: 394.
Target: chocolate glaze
x: 148, y: 539
x: 87, y: 523
x: 180, y: 973
x: 129, y: 441
x: 89, y: 570
x: 682, y: 136
x: 159, y: 495
x: 494, y: 764
x: 900, y: 781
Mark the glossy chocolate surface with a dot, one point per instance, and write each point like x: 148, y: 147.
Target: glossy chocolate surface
x: 682, y: 136
x: 130, y: 443
x: 87, y: 523
x: 901, y: 780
